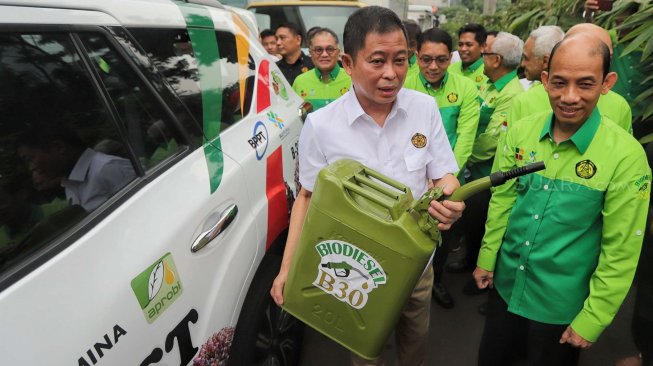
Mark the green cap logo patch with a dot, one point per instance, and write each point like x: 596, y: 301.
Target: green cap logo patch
x: 585, y: 169
x: 347, y: 273
x: 157, y: 287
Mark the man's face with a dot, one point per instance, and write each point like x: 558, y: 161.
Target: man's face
x: 575, y: 83
x: 324, y: 52
x: 380, y: 68
x: 287, y: 43
x: 532, y: 66
x: 468, y: 48
x: 433, y: 60
x: 491, y: 61
x: 45, y: 166
x: 270, y: 44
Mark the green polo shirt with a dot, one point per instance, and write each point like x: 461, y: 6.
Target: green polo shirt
x: 474, y: 72
x: 319, y: 93
x: 630, y: 71
x: 535, y: 99
x: 457, y: 100
x: 413, y: 67
x: 496, y: 99
x: 564, y: 242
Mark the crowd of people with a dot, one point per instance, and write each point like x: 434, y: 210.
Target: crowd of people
x: 555, y: 251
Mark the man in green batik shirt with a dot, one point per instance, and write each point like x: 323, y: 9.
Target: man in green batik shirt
x: 457, y: 100
x: 456, y: 96
x: 471, y: 42
x: 536, y: 54
x: 501, y: 60
x: 326, y: 82
x: 413, y: 31
x: 561, y: 245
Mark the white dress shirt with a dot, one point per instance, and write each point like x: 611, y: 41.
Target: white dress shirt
x: 342, y: 130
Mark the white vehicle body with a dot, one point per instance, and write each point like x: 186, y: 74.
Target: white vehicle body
x: 74, y: 300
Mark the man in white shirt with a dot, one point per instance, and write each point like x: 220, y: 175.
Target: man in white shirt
x: 395, y: 131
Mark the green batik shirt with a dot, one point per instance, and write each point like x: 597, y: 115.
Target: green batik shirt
x: 629, y: 84
x: 474, y: 72
x: 457, y: 100
x: 564, y: 242
x: 496, y: 99
x: 535, y: 99
x: 312, y: 89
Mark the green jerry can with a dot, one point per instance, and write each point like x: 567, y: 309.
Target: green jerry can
x: 359, y: 257
x: 363, y: 247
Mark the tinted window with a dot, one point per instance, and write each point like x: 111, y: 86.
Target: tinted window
x: 54, y: 128
x: 172, y: 52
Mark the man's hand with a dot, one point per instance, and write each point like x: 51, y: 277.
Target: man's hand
x: 570, y: 336
x: 277, y: 287
x: 483, y: 278
x: 591, y: 5
x: 446, y: 212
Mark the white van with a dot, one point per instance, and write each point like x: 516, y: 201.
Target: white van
x: 148, y: 154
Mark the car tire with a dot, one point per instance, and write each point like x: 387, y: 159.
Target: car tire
x: 266, y: 335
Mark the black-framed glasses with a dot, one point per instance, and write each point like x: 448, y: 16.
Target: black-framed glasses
x: 427, y: 60
x: 483, y: 54
x: 319, y: 50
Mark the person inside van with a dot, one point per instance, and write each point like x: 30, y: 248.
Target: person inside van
x: 269, y: 41
x: 289, y: 45
x: 88, y: 177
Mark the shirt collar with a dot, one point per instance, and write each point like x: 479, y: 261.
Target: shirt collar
x: 333, y: 74
x: 473, y: 66
x: 583, y: 137
x: 355, y: 111
x: 428, y: 85
x: 504, y: 80
x: 82, y: 165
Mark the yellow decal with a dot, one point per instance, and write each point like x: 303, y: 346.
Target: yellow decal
x: 242, y: 51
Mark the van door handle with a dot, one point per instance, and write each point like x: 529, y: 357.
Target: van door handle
x: 225, y: 219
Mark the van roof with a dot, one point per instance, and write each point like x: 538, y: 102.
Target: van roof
x: 307, y: 3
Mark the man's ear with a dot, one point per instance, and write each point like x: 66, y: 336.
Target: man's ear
x: 545, y: 62
x: 545, y: 79
x: 608, y: 82
x: 347, y: 63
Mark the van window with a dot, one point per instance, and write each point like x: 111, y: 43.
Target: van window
x: 172, y: 52
x: 151, y: 135
x: 54, y: 129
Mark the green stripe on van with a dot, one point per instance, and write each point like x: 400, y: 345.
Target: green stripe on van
x: 205, y: 46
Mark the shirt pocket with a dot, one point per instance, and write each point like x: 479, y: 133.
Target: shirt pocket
x: 576, y: 207
x: 416, y: 159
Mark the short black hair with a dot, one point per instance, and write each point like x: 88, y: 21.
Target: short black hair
x: 480, y: 34
x: 412, y: 30
x: 318, y: 30
x: 292, y: 27
x: 491, y: 33
x: 435, y: 35
x: 601, y: 49
x: 267, y: 33
x: 370, y: 19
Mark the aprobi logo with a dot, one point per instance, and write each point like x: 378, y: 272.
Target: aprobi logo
x: 157, y: 287
x: 347, y: 272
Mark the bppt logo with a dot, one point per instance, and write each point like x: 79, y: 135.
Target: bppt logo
x: 157, y: 287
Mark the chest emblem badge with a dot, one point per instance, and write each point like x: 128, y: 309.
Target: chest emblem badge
x: 585, y: 169
x: 452, y: 98
x: 418, y: 140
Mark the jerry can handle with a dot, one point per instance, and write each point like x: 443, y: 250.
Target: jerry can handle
x: 386, y: 203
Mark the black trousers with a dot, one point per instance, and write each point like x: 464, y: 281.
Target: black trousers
x: 473, y: 224
x: 508, y: 337
x: 449, y: 237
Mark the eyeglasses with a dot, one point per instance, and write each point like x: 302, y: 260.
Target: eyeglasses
x: 483, y: 54
x: 329, y: 50
x: 440, y: 60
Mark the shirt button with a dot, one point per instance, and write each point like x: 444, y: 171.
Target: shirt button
x: 527, y: 243
x: 521, y: 268
x: 555, y: 156
x: 546, y: 187
x: 638, y: 232
x: 536, y: 216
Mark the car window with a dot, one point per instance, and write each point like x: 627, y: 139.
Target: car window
x: 172, y: 52
x: 152, y: 136
x: 61, y: 152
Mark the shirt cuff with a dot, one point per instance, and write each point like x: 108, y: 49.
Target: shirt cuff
x: 586, y: 327
x: 486, y: 260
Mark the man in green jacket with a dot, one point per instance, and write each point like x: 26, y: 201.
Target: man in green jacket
x: 327, y: 81
x: 561, y: 246
x: 501, y: 59
x: 457, y: 100
x: 471, y: 42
